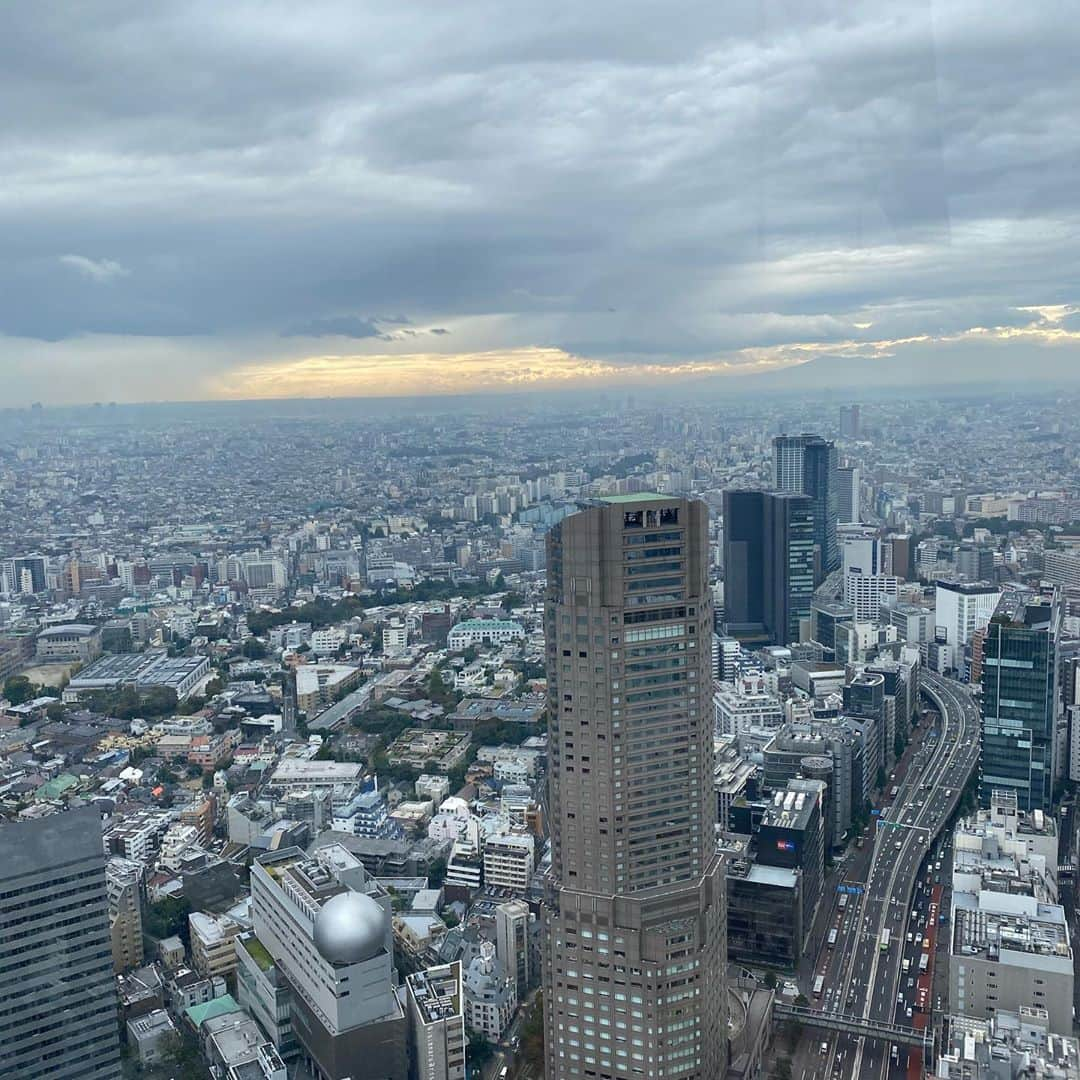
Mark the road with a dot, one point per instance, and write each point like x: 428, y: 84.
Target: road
x: 861, y: 975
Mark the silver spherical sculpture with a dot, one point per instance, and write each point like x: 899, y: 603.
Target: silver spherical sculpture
x: 350, y: 928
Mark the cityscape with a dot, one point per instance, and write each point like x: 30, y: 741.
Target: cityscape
x: 539, y: 541
x: 602, y: 740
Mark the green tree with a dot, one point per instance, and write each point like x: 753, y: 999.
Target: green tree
x: 532, y: 1036
x: 56, y: 711
x: 479, y: 1049
x: 253, y: 649
x: 19, y: 689
x: 437, y: 874
x: 880, y: 780
x: 167, y: 917
x: 185, y: 1060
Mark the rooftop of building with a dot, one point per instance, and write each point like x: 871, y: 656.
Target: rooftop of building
x: 1024, y: 609
x: 789, y: 810
x: 968, y: 588
x: 1010, y: 928
x: 313, y: 877
x: 972, y: 1040
x: 67, y: 629
x: 437, y: 992
x: 638, y: 497
x: 219, y: 1006
x: 487, y: 624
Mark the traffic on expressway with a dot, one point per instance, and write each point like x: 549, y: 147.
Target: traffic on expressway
x: 880, y: 965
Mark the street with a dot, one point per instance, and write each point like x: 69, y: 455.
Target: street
x: 890, y: 917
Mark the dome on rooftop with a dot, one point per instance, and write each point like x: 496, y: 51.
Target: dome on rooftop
x: 350, y: 928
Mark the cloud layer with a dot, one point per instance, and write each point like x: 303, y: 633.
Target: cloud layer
x: 353, y: 196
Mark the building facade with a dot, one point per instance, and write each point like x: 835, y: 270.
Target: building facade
x: 437, y: 1023
x: 1019, y: 700
x: 123, y: 882
x: 768, y: 566
x: 58, y: 1020
x: 806, y: 464
x: 327, y: 927
x: 634, y: 917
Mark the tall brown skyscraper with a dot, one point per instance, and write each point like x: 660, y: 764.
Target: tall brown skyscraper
x: 635, y: 945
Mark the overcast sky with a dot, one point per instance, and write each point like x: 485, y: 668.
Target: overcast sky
x: 258, y: 198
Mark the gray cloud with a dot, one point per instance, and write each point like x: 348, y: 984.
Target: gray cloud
x: 95, y: 269
x: 350, y: 326
x: 628, y: 179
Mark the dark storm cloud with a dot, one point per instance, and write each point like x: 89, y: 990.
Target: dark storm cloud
x: 631, y: 179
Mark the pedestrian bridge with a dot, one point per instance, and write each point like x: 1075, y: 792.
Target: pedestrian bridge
x: 853, y: 1025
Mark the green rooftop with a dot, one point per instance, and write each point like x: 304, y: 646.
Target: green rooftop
x: 642, y: 496
x: 56, y: 787
x: 257, y: 950
x: 197, y: 1014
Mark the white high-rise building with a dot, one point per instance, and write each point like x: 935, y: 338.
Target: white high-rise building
x: 327, y: 926
x: 860, y: 549
x: 868, y: 593
x: 962, y: 608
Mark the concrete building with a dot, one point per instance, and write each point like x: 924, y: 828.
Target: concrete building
x: 59, y: 1014
x: 732, y: 772
x: 437, y: 1023
x: 867, y: 594
x: 512, y: 946
x: 72, y: 643
x: 297, y: 774
x: 1003, y: 849
x: 509, y: 860
x: 745, y: 704
x: 1062, y: 568
x: 395, y: 637
x: 484, y: 632
x: 327, y: 926
x: 961, y: 608
x: 151, y: 1035
x: 318, y: 685
x: 914, y: 623
x: 265, y: 993
x: 847, y: 493
x: 365, y: 815
x: 212, y: 949
x: 123, y: 884
x: 1009, y: 1046
x: 628, y: 621
x: 433, y: 787
x: 1010, y: 952
x: 490, y: 994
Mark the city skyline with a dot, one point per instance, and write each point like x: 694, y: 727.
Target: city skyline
x: 379, y: 203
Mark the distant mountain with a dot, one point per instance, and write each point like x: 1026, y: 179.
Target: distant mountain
x: 948, y: 366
